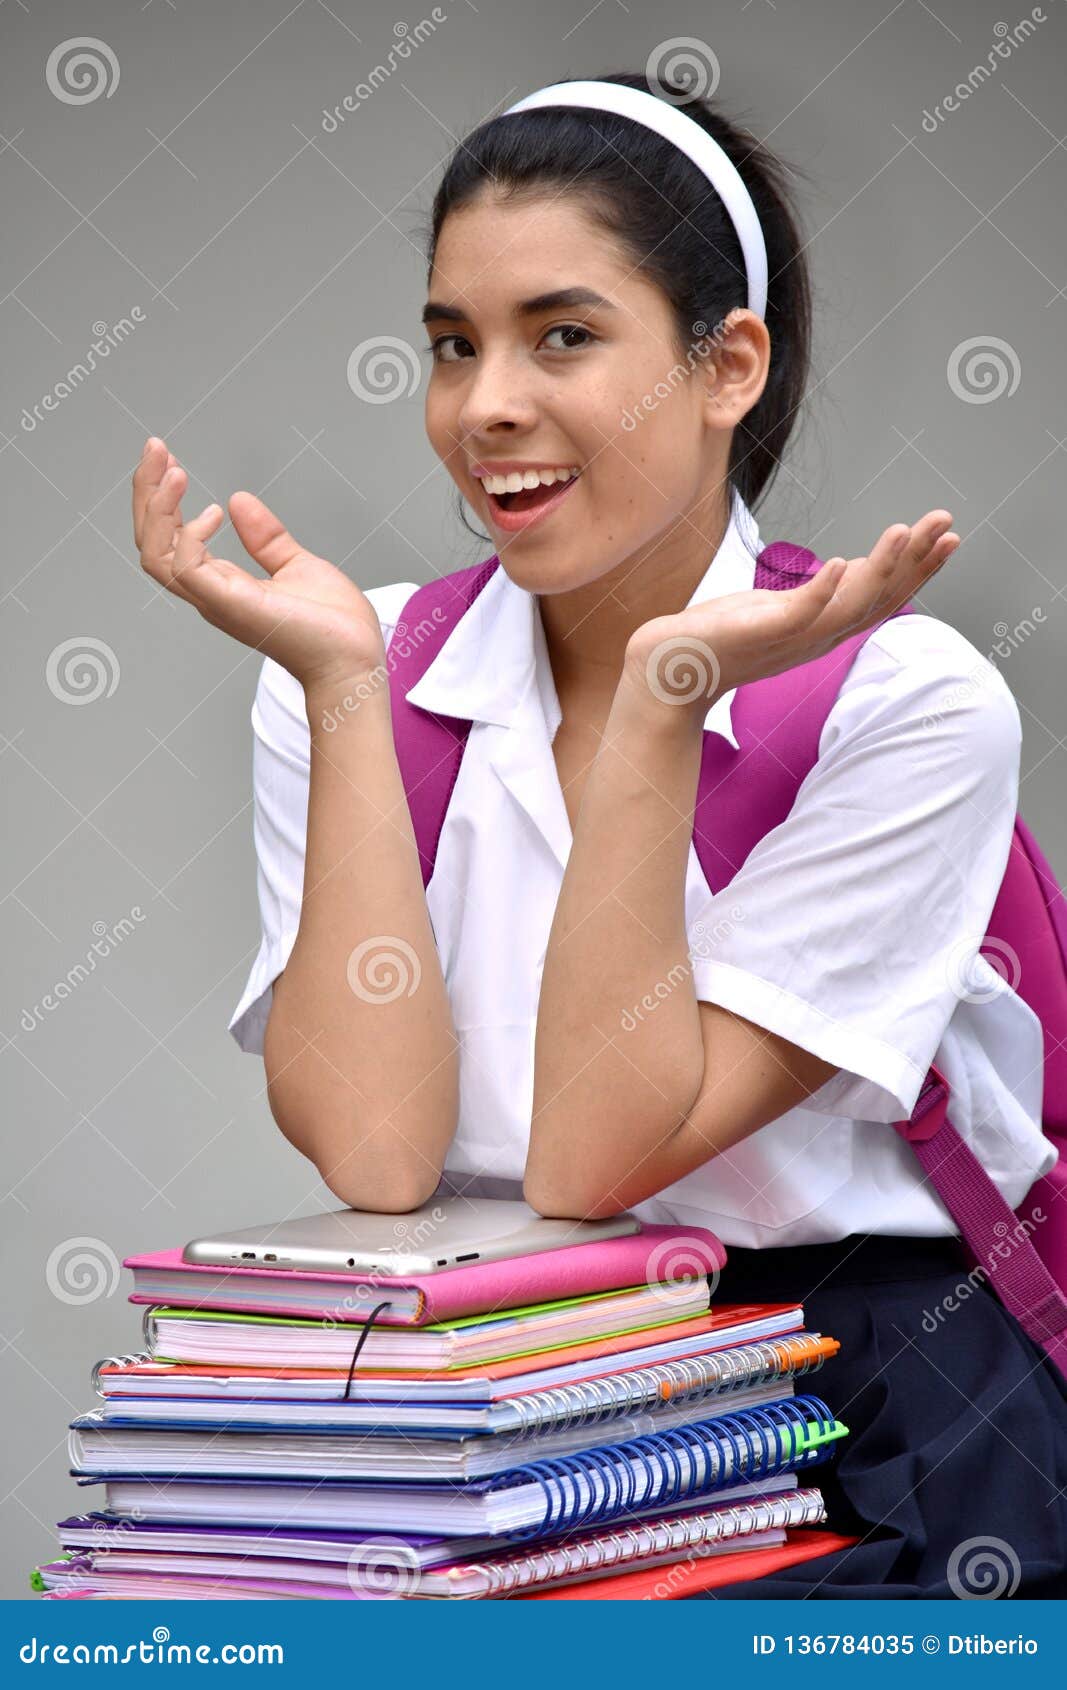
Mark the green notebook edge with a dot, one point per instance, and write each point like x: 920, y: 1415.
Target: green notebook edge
x: 307, y: 1321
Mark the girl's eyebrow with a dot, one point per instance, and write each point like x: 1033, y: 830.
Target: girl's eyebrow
x: 561, y: 298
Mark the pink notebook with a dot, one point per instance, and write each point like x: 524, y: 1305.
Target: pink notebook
x: 655, y: 1255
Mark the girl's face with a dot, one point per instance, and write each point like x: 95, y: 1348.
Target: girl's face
x: 551, y: 352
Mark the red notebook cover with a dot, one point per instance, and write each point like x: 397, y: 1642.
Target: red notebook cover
x: 668, y: 1583
x: 576, y: 1270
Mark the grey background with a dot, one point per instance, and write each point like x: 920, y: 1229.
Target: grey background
x: 260, y: 250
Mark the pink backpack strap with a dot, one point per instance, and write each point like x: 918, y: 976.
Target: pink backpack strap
x: 777, y: 723
x: 1032, y: 912
x: 1027, y: 941
x: 429, y: 747
x: 997, y: 1238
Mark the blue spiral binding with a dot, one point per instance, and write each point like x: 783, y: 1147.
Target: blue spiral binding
x: 755, y: 1442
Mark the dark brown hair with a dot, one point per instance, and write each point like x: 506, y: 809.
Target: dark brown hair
x: 666, y: 217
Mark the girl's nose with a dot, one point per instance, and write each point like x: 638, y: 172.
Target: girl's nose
x: 496, y: 394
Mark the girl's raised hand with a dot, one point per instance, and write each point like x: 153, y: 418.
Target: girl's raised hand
x: 307, y: 615
x: 706, y: 650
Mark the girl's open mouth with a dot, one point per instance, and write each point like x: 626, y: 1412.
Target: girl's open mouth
x: 515, y: 511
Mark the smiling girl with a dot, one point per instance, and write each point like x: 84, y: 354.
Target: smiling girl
x: 619, y: 316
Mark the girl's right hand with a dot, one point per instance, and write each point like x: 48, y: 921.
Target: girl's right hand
x: 308, y: 616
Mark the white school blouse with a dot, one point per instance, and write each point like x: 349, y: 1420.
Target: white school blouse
x: 851, y: 929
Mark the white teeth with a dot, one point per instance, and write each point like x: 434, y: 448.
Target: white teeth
x: 517, y: 480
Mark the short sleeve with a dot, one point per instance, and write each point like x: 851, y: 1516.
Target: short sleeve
x: 281, y: 761
x: 853, y: 927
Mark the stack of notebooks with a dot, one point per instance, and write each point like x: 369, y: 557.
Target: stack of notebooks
x: 442, y: 1442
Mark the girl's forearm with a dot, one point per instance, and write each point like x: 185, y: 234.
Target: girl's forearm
x: 360, y: 1047
x: 609, y: 1087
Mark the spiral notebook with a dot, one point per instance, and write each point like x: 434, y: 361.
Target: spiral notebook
x: 655, y: 1580
x: 101, y: 1533
x: 147, y: 1449
x: 686, y: 1578
x: 122, y: 1573
x: 142, y: 1374
x: 753, y: 1525
x: 719, y: 1374
x: 382, y: 1572
x: 540, y: 1498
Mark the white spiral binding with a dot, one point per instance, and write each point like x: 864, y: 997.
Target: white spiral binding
x: 131, y: 1360
x: 588, y: 1400
x: 630, y: 1543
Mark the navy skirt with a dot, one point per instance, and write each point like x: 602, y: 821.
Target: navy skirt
x: 954, y: 1475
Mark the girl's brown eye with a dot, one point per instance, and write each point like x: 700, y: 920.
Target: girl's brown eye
x: 570, y: 329
x: 436, y: 347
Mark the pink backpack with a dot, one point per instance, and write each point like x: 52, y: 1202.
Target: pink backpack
x: 778, y: 722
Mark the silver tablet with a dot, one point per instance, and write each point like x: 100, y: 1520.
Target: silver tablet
x: 445, y: 1233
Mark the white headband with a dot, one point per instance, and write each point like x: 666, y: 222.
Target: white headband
x: 675, y: 126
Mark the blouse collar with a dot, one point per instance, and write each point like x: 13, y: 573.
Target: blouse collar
x: 497, y: 649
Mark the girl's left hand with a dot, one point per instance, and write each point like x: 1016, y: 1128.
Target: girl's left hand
x: 708, y: 649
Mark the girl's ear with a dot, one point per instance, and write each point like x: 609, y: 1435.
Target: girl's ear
x: 736, y: 367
